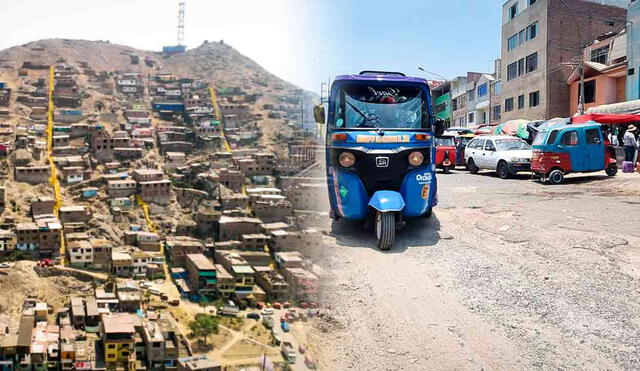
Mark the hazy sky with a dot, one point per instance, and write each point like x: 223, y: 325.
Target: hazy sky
x: 302, y: 41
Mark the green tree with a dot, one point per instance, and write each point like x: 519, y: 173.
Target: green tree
x: 204, y: 325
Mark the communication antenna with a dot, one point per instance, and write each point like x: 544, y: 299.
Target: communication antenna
x: 181, y: 23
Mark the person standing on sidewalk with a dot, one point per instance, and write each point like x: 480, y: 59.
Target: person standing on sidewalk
x: 630, y: 144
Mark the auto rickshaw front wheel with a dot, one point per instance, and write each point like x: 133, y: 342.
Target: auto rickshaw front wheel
x: 556, y: 176
x: 611, y: 170
x: 385, y: 229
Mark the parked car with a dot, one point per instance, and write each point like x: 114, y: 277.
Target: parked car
x: 267, y: 321
x: 284, y: 326
x: 283, y: 319
x: 288, y: 352
x: 230, y: 309
x: 5, y: 265
x: 505, y: 154
x: 267, y: 311
x: 308, y: 361
x: 302, y: 349
x: 277, y: 305
x: 254, y: 315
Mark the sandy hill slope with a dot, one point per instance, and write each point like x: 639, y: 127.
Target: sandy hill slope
x: 214, y: 61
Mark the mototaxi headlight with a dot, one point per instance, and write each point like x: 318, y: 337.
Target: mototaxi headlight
x: 346, y: 159
x: 416, y: 158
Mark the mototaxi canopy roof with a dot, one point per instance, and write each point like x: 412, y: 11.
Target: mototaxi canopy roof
x: 606, y: 119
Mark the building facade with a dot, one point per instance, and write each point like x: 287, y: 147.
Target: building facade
x: 540, y: 41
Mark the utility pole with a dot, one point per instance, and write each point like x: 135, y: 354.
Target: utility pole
x: 489, y: 113
x: 581, y: 66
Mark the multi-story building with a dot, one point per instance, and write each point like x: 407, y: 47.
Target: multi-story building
x: 231, y: 228
x: 458, y: 92
x: 441, y: 96
x: 202, y: 274
x: 226, y: 282
x: 154, y: 344
x: 540, y: 39
x: 240, y: 269
x: 8, y: 241
x: 273, y: 283
x: 118, y: 338
x: 605, y: 73
x: 180, y: 246
x: 80, y: 253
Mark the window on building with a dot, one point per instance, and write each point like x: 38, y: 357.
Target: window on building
x: 534, y: 99
x: 512, y: 42
x: 631, y: 72
x: 471, y: 117
x: 599, y: 55
x: 532, y: 62
x: 111, y: 346
x: 508, y: 105
x: 484, y: 117
x: 589, y: 92
x: 531, y: 2
x: 471, y: 95
x: 532, y: 31
x: 454, y: 104
x: 521, y: 67
x: 520, y: 101
x: 482, y: 90
x: 496, y: 113
x: 496, y: 88
x: 522, y: 36
x: 512, y: 71
x: 513, y: 11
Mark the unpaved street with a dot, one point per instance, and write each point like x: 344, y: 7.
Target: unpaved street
x: 507, y: 274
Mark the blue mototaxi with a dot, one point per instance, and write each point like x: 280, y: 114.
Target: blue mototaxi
x: 379, y: 150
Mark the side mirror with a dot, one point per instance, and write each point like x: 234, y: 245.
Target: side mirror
x: 318, y: 113
x: 438, y: 129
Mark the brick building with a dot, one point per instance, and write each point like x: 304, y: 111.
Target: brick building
x: 156, y: 191
x: 180, y: 246
x: 231, y: 228
x: 32, y: 174
x: 202, y: 274
x: 538, y: 38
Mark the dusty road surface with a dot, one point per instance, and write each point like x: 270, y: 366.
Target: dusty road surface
x: 507, y: 274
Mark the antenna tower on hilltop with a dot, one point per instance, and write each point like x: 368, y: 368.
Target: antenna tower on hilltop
x: 181, y: 23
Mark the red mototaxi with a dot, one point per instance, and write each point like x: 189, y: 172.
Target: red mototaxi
x: 445, y: 152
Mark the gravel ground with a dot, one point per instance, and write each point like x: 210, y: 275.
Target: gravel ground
x: 507, y: 274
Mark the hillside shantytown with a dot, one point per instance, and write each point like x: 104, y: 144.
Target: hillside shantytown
x: 140, y: 195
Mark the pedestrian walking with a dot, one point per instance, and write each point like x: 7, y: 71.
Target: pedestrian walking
x: 630, y: 144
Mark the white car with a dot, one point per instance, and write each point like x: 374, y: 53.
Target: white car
x: 505, y: 154
x: 267, y: 311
